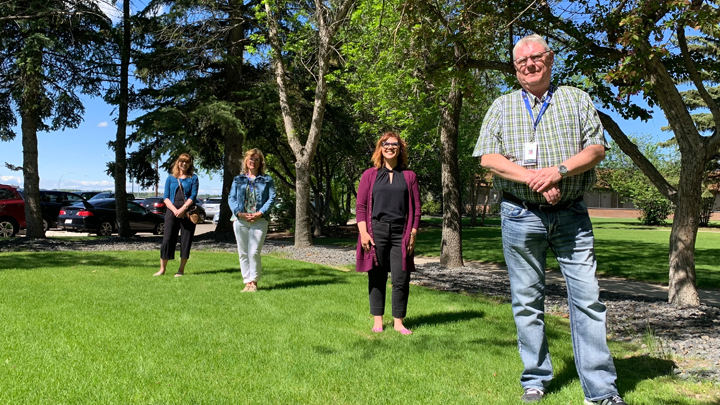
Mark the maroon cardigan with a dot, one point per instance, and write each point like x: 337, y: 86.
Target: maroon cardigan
x: 363, y: 213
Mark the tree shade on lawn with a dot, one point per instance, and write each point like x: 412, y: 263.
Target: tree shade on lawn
x: 96, y: 327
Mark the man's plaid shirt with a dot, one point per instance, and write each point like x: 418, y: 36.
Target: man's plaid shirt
x: 569, y: 125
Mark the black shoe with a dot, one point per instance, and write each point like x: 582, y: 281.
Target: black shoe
x: 532, y: 395
x: 613, y: 400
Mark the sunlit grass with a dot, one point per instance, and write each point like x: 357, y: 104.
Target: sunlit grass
x: 96, y: 327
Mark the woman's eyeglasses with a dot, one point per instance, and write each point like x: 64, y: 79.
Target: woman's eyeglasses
x: 389, y: 145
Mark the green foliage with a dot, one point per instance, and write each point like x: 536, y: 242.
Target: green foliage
x: 399, y: 66
x: 706, y: 209
x: 620, y: 174
x: 56, y: 48
x: 655, y: 208
x: 431, y: 207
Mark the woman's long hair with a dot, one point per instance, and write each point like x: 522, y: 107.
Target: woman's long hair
x: 248, y: 155
x: 379, y: 160
x: 184, y: 157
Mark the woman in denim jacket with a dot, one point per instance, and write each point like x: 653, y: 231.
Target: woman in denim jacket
x: 251, y: 196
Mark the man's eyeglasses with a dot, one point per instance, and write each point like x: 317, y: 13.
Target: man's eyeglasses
x: 536, y: 57
x: 390, y: 144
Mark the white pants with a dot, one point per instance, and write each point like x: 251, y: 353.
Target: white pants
x: 250, y: 237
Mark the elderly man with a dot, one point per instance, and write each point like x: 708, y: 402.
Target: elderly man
x: 542, y: 144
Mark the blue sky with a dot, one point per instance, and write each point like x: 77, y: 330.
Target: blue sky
x: 76, y: 158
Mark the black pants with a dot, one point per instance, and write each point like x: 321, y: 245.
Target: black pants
x: 388, y: 245
x: 173, y: 224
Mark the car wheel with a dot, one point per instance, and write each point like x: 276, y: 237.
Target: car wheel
x: 105, y: 229
x: 46, y: 225
x: 159, y: 229
x: 8, y: 228
x: 202, y: 218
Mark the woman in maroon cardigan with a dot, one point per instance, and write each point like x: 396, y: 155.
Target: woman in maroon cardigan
x: 388, y: 216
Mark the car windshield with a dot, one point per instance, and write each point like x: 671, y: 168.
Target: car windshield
x: 101, y: 195
x: 213, y: 201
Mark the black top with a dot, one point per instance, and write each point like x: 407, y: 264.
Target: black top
x: 390, y: 200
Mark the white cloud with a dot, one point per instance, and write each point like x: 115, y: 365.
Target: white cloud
x: 11, y: 180
x: 103, y: 124
x: 111, y: 10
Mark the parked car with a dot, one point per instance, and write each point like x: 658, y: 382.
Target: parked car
x: 89, y: 194
x: 216, y: 218
x: 51, y: 202
x: 156, y: 205
x: 212, y: 206
x: 98, y: 216
x: 130, y: 196
x: 12, y: 211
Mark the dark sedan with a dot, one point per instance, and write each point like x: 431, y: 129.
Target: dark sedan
x: 156, y: 205
x: 98, y: 216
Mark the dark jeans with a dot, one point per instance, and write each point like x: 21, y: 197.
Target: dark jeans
x: 388, y: 245
x: 173, y: 224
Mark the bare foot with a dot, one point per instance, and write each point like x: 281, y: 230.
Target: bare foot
x: 377, y: 324
x: 401, y: 328
x: 159, y: 273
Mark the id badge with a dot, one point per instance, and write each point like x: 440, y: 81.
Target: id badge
x: 530, y: 154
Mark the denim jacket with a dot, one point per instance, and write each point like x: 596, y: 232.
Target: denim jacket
x: 171, y: 186
x: 264, y: 193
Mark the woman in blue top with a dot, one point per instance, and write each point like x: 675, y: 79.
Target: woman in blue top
x: 180, y: 193
x: 251, y: 196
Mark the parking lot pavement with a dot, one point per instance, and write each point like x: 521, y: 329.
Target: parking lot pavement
x: 55, y: 233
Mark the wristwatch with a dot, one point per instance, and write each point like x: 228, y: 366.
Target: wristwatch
x: 563, y: 170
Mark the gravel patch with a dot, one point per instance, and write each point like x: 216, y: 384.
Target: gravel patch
x: 689, y: 336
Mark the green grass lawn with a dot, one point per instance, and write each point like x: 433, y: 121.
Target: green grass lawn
x: 96, y: 327
x: 624, y: 248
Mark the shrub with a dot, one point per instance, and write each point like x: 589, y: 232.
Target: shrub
x: 431, y: 207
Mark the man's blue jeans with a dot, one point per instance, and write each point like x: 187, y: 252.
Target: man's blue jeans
x: 527, y: 235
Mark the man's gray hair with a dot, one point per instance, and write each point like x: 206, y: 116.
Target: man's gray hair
x: 531, y: 38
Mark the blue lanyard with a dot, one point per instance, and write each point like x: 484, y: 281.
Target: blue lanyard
x: 544, y: 107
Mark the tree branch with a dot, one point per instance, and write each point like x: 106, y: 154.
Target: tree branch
x: 630, y: 149
x: 697, y: 80
x: 505, y: 67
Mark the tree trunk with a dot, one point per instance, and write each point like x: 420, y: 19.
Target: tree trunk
x: 682, y: 289
x: 232, y: 166
x: 29, y: 112
x: 233, y: 142
x: 485, y: 205
x: 327, y: 28
x: 121, y: 211
x: 474, y: 185
x: 303, y: 236
x: 451, y: 243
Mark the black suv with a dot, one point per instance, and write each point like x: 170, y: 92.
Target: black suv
x: 51, y: 202
x: 97, y: 196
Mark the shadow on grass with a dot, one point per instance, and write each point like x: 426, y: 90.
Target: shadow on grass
x: 219, y: 271
x: 648, y: 262
x: 631, y: 371
x: 35, y: 260
x: 440, y: 318
x: 299, y: 277
x: 287, y: 285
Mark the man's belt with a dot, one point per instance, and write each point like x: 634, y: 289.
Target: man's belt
x: 541, y: 207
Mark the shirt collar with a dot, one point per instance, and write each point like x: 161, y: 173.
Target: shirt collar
x: 534, y: 100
